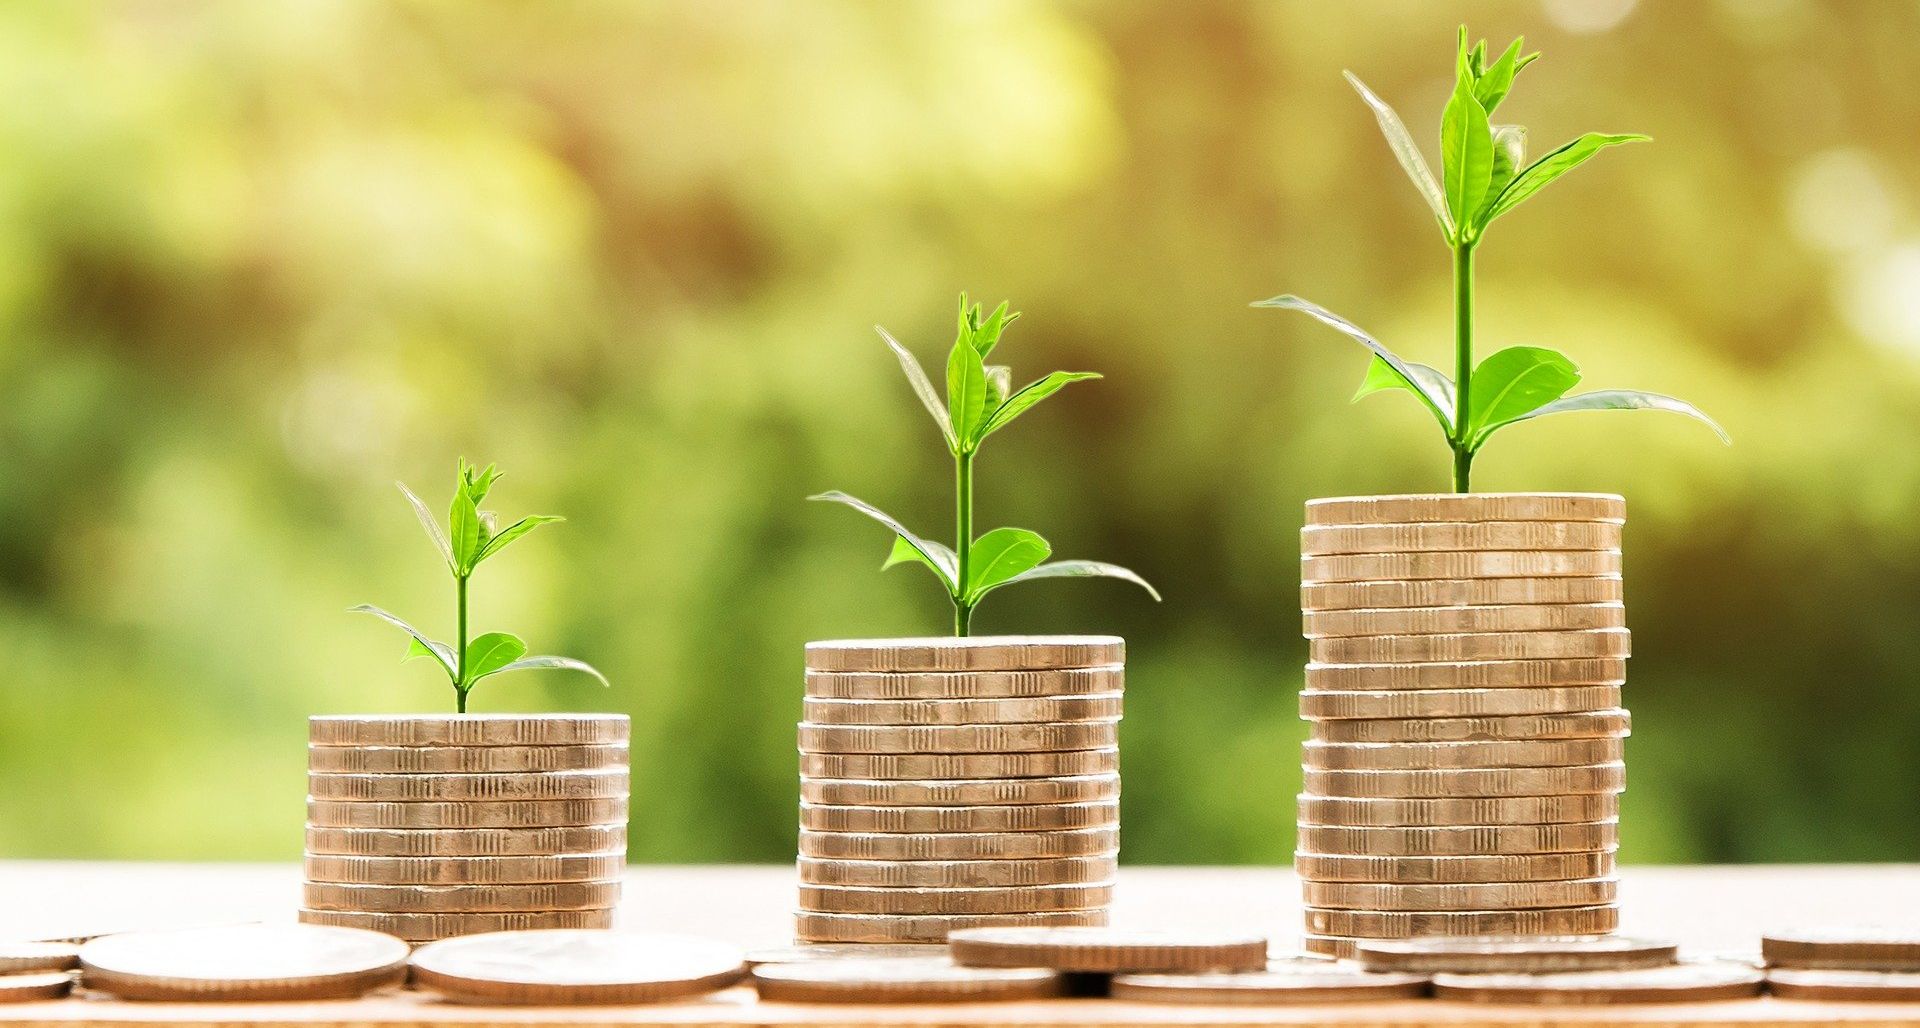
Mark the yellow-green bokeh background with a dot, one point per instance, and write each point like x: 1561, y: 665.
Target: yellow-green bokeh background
x: 260, y: 260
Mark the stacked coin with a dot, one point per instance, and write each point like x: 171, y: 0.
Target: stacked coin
x: 956, y: 783
x: 432, y: 827
x: 1464, y: 767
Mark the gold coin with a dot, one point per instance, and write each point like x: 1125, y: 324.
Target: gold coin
x: 1485, y: 954
x: 1403, y: 567
x: 959, y: 765
x: 965, y: 685
x: 1421, y: 507
x: 26, y: 957
x: 1458, y: 810
x: 464, y: 759
x: 1478, y: 782
x: 1844, y: 948
x: 1024, y: 818
x: 844, y: 899
x: 1460, y: 840
x: 1109, y: 950
x: 1404, y: 704
x: 1675, y: 983
x: 817, y: 927
x: 1099, y: 706
x: 466, y: 813
x: 1536, y: 867
x: 1596, y: 724
x: 1300, y: 980
x: 1393, y: 649
x: 425, y: 927
x: 1517, y: 617
x: 539, y: 785
x: 576, y: 968
x: 1029, y: 738
x: 1460, y: 592
x: 1078, y: 842
x: 466, y: 842
x: 25, y: 988
x: 1472, y: 674
x: 1333, y: 946
x: 243, y: 962
x: 960, y: 792
x: 1317, y: 540
x: 842, y: 952
x: 1839, y: 986
x: 398, y: 899
x: 1388, y: 756
x: 576, y: 867
x: 958, y: 874
x: 469, y: 730
x: 1400, y: 924
x: 1474, y: 896
x: 978, y: 653
x: 909, y: 980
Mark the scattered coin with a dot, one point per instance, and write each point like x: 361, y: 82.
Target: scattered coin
x: 842, y: 899
x: 1460, y: 535
x: 1488, y: 954
x: 1521, y: 617
x: 420, y: 927
x: 812, y: 926
x: 1460, y: 592
x: 243, y: 962
x: 1606, y: 642
x: 1594, y: 724
x: 978, y: 653
x: 1108, y: 950
x: 464, y: 759
x: 1423, y: 507
x: 1503, y: 781
x: 566, y: 867
x: 575, y: 967
x: 808, y: 952
x: 965, y: 686
x: 1466, y: 810
x: 1368, y: 567
x: 1399, y: 924
x: 25, y: 988
x: 1439, y: 756
x: 1460, y: 840
x: 550, y: 785
x: 1022, y: 818
x: 1843, y: 986
x: 1104, y: 706
x: 1677, y: 983
x: 1303, y: 980
x: 466, y: 813
x: 1454, y: 704
x: 541, y: 896
x: 469, y: 730
x: 24, y: 957
x: 958, y: 845
x: 959, y: 765
x: 958, y: 874
x: 1845, y: 948
x: 466, y: 842
x: 1470, y: 674
x: 960, y: 792
x: 1534, y: 867
x: 909, y: 980
x: 1478, y: 896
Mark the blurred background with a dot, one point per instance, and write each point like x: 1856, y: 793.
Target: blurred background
x: 258, y: 261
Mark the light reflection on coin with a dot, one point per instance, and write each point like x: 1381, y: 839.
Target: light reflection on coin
x: 1460, y: 535
x: 575, y: 967
x: 1425, y: 507
x: 243, y: 962
x: 1845, y: 947
x: 1518, y: 955
x: 977, y: 653
x: 27, y: 988
x: 1842, y: 986
x: 24, y: 957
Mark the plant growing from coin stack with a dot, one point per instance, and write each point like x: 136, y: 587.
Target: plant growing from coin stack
x: 471, y: 537
x: 980, y: 401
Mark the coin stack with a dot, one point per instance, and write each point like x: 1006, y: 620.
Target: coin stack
x: 1464, y: 768
x: 431, y: 827
x: 956, y: 783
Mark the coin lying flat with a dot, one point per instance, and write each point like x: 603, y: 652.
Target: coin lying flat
x: 423, y: 926
x: 1368, y: 567
x: 1396, y: 924
x: 575, y: 967
x: 1380, y: 649
x: 464, y: 759
x: 1394, y: 756
x: 1470, y: 674
x: 1843, y: 986
x: 546, y: 785
x: 1478, y: 896
x: 1533, y: 867
x: 1503, y: 781
x: 539, y: 896
x: 469, y: 730
x: 1421, y: 507
x: 1359, y: 812
x: 1108, y: 950
x: 1047, y: 737
x: 467, y: 842
x: 1460, y: 535
x: 1492, y: 954
x: 909, y: 980
x: 813, y: 926
x: 569, y: 867
x: 25, y: 988
x: 1595, y: 724
x: 1460, y: 592
x: 1078, y: 842
x: 1460, y: 840
x: 808, y: 952
x: 1330, y: 946
x: 243, y: 962
x: 977, y: 653
x: 1103, y: 706
x: 918, y: 686
x: 466, y: 813
x: 1454, y: 704
x: 1677, y: 983
x: 843, y: 899
x: 959, y: 765
x: 958, y: 874
x: 24, y: 957
x: 1302, y: 980
x: 1022, y: 818
x: 960, y: 792
x: 1844, y: 948
x: 1521, y: 617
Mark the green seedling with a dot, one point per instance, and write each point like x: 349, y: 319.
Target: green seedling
x: 470, y: 538
x: 1484, y: 174
x: 980, y: 401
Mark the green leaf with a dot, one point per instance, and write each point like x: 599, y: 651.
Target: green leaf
x: 438, y: 650
x: 1382, y: 376
x: 1512, y: 382
x: 491, y: 652
x: 514, y: 531
x: 987, y: 335
x: 966, y: 392
x: 1030, y: 394
x: 563, y: 663
x: 1509, y: 154
x: 1492, y: 86
x: 1553, y: 165
x: 1083, y: 569
x: 923, y: 388
x: 463, y: 525
x: 1422, y: 382
x: 1406, y: 152
x: 427, y: 521
x: 905, y: 552
x: 1466, y: 152
x: 938, y: 557
x: 999, y: 385
x: 1003, y: 554
x: 1626, y: 399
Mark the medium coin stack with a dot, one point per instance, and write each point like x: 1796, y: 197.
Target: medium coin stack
x: 958, y: 783
x: 431, y: 827
x: 1464, y: 767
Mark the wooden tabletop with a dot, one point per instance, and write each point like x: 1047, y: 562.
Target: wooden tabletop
x: 1711, y: 910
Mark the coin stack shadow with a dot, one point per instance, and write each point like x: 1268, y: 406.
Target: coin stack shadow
x: 1463, y: 771
x: 956, y: 783
x: 432, y: 827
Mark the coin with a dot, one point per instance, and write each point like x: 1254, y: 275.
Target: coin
x: 468, y: 730
x: 959, y: 765
x: 1330, y: 946
x: 1395, y: 924
x: 1460, y: 840
x: 1109, y: 950
x: 1023, y: 818
x: 23, y: 957
x: 978, y: 653
x: 575, y: 967
x: 1362, y: 812
x: 1387, y: 649
x: 1479, y: 896
x: 1388, y: 756
x: 1473, y: 674
x: 909, y: 980
x: 1478, y: 782
x: 1843, y: 986
x: 1676, y: 983
x: 1844, y: 948
x: 960, y: 792
x: 842, y: 899
x: 808, y: 952
x: 1301, y: 980
x: 243, y: 962
x: 466, y: 842
x: 1597, y: 724
x: 1420, y: 507
x: 1532, y: 867
x: 1028, y: 738
x: 464, y: 759
x: 1316, y: 540
x: 1400, y: 567
x: 25, y: 988
x: 954, y: 874
x: 965, y: 685
x: 1523, y: 617
x: 422, y: 927
x: 959, y: 846
x: 1495, y: 954
x: 462, y: 898
x: 569, y: 867
x: 1103, y: 706
x: 1459, y: 592
x: 467, y: 813
x: 545, y: 785
x: 1404, y: 704
x: 810, y: 926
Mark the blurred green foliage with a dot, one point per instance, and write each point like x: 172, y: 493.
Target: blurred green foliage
x: 258, y: 261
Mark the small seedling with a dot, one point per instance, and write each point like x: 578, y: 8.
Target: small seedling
x: 470, y: 538
x: 980, y: 401
x: 1483, y: 176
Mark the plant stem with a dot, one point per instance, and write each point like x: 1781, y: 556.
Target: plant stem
x: 1462, y: 362
x: 963, y: 539
x: 460, y: 641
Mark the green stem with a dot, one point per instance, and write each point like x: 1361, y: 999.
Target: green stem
x: 460, y: 641
x: 1462, y: 363
x: 963, y: 539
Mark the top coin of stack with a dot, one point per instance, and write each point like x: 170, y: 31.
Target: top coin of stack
x: 954, y: 783
x: 431, y: 827
x: 1464, y: 766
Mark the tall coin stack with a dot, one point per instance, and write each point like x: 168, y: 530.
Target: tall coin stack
x: 958, y: 783
x: 431, y: 827
x: 1464, y: 766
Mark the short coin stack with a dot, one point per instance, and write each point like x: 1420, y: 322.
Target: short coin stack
x: 956, y: 783
x: 432, y: 827
x: 1463, y: 772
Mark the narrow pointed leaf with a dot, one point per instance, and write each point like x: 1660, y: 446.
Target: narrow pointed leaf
x: 923, y: 388
x: 1083, y: 569
x: 514, y: 531
x: 441, y: 651
x: 491, y: 652
x: 1425, y: 382
x: 938, y: 557
x: 1466, y: 153
x: 990, y: 331
x: 966, y: 392
x: 1555, y: 164
x: 427, y: 521
x: 563, y: 663
x: 1030, y: 394
x: 1381, y: 376
x: 1513, y: 382
x: 1003, y: 554
x: 1626, y: 399
x: 1406, y: 152
x: 1492, y: 86
x: 463, y: 525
